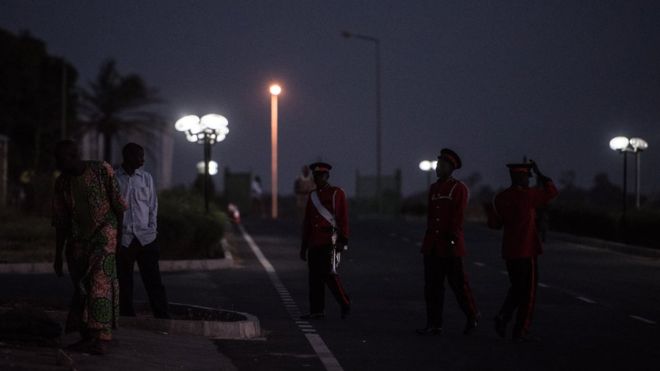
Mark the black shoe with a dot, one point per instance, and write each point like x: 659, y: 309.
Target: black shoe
x: 429, y: 330
x: 470, y: 326
x: 313, y: 316
x: 500, y: 326
x: 345, y: 311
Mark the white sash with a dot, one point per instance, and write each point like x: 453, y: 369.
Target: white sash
x: 325, y: 213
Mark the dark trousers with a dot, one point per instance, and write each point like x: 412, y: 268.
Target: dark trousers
x: 436, y: 269
x: 320, y: 275
x: 523, y: 275
x: 147, y: 260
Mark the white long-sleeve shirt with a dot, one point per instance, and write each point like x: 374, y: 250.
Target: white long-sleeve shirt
x: 140, y: 218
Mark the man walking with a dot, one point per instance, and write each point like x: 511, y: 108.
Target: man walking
x: 138, y: 237
x: 514, y: 210
x: 325, y: 236
x: 444, y: 247
x: 87, y: 207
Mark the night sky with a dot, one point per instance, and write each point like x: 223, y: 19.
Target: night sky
x: 494, y: 80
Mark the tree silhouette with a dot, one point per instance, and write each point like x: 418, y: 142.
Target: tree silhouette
x: 115, y: 103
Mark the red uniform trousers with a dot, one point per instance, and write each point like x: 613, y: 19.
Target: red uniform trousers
x: 319, y: 261
x: 435, y: 270
x: 521, y: 297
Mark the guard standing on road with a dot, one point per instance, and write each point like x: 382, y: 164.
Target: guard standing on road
x: 444, y: 246
x: 514, y: 210
x: 324, y: 237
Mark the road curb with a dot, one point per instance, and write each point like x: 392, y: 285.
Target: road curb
x: 608, y: 245
x: 247, y: 329
x: 165, y: 265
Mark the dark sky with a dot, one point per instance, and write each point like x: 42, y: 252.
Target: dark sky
x: 495, y: 80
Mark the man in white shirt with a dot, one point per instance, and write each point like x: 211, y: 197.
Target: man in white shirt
x: 138, y: 234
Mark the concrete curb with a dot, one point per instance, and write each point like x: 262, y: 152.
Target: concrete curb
x: 609, y: 245
x: 165, y: 265
x: 247, y: 329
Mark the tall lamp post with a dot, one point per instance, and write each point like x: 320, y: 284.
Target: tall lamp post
x: 376, y: 43
x: 427, y: 167
x: 208, y: 130
x: 275, y: 91
x: 637, y: 146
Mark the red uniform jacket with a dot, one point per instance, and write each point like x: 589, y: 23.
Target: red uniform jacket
x: 447, y: 202
x: 515, y: 210
x: 317, y: 232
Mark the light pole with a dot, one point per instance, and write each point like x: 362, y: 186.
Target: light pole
x: 427, y: 167
x: 638, y: 145
x: 208, y: 130
x: 622, y: 145
x: 275, y: 91
x: 376, y: 43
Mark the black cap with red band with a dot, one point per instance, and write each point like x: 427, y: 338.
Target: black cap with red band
x: 450, y: 156
x: 524, y: 168
x: 320, y: 167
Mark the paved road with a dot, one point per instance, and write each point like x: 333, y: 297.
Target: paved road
x: 596, y: 309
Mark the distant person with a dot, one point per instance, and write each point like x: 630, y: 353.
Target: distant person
x: 256, y: 193
x: 514, y: 210
x: 444, y: 247
x: 87, y: 208
x: 325, y: 235
x: 303, y: 185
x: 138, y: 237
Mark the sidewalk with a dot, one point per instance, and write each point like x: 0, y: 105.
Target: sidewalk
x: 134, y: 350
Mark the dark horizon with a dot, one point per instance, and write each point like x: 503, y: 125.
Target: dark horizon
x: 553, y: 82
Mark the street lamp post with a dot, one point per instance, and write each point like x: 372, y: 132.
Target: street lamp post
x: 376, y: 43
x: 428, y: 167
x: 275, y: 91
x: 208, y: 130
x: 638, y: 145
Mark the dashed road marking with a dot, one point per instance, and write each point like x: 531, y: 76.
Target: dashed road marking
x: 504, y: 272
x: 479, y: 264
x: 586, y: 300
x: 545, y: 286
x: 642, y: 319
x: 320, y: 348
x: 405, y: 239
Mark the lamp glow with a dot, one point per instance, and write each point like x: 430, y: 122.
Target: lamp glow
x: 275, y: 89
x: 638, y: 144
x: 425, y: 165
x: 619, y: 143
x: 186, y: 123
x: 215, y: 122
x: 213, y: 167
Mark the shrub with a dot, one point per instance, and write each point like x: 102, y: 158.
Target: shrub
x: 185, y: 231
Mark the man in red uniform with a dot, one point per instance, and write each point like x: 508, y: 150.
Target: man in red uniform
x: 444, y: 246
x: 514, y: 210
x: 325, y: 234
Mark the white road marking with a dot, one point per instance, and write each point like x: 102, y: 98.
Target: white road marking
x: 320, y: 348
x: 405, y: 239
x: 541, y: 284
x: 393, y: 234
x: 328, y: 360
x: 418, y: 244
x: 479, y: 264
x: 504, y: 272
x: 642, y: 319
x: 586, y: 300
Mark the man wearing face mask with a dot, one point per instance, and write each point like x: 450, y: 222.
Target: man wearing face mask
x: 444, y: 246
x: 514, y: 211
x: 138, y: 237
x: 325, y: 235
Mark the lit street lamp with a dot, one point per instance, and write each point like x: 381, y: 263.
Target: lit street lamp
x: 428, y: 167
x: 376, y: 43
x: 637, y: 146
x: 213, y: 168
x: 275, y: 90
x: 208, y: 130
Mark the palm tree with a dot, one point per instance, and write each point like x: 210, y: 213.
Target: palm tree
x: 115, y: 103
